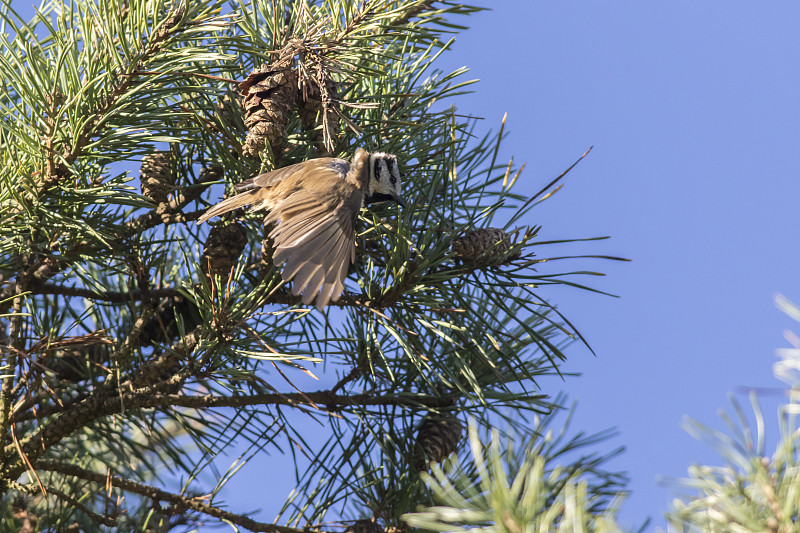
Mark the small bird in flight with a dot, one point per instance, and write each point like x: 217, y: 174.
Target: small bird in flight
x: 316, y: 205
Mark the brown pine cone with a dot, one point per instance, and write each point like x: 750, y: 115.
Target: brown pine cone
x: 156, y: 176
x: 439, y: 435
x: 269, y: 99
x: 223, y: 247
x: 483, y: 246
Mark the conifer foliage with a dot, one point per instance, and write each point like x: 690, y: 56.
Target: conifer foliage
x: 142, y: 353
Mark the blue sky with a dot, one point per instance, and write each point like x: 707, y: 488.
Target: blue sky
x: 692, y: 109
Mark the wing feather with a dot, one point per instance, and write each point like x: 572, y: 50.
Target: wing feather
x: 316, y: 274
x: 306, y: 225
x: 315, y: 243
x: 307, y: 239
x: 333, y: 285
x: 306, y: 253
x: 330, y: 268
x: 273, y: 177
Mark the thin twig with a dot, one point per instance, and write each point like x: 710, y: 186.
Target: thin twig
x: 158, y: 495
x: 155, y: 218
x: 108, y: 296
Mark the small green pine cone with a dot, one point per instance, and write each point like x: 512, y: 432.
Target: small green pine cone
x: 223, y: 247
x: 270, y: 95
x: 439, y: 435
x: 157, y: 176
x: 483, y: 246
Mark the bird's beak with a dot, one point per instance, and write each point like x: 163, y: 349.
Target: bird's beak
x: 399, y: 200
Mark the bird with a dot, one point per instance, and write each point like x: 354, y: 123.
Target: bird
x: 314, y: 206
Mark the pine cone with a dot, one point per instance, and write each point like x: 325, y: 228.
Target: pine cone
x: 483, y: 246
x: 317, y: 106
x: 439, y: 435
x: 365, y: 525
x: 223, y: 247
x: 156, y: 176
x: 269, y: 98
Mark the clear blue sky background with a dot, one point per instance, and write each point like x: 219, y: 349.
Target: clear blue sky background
x: 692, y: 109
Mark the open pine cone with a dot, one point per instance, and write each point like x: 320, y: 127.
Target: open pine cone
x: 157, y: 176
x: 269, y: 94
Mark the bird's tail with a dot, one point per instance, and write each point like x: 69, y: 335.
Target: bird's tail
x: 228, y: 204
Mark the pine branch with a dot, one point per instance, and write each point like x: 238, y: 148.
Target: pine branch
x: 106, y: 399
x: 84, y: 410
x: 324, y: 400
x: 108, y: 296
x: 158, y: 495
x: 10, y: 356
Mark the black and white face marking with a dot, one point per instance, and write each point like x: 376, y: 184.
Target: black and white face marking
x: 384, y: 178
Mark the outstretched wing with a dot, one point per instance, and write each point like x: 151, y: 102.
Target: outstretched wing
x: 272, y: 178
x: 315, y: 240
x: 253, y: 191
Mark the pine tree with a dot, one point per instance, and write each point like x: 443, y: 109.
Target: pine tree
x: 139, y: 348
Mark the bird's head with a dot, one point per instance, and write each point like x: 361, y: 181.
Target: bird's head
x: 384, y: 179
